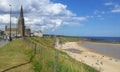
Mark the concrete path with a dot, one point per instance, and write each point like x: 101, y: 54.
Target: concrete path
x: 3, y: 42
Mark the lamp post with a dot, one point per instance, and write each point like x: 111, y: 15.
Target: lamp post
x: 16, y: 28
x: 10, y: 39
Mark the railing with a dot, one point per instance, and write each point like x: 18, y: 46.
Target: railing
x: 51, y: 58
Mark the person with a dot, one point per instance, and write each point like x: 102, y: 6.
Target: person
x: 8, y: 38
x: 101, y: 63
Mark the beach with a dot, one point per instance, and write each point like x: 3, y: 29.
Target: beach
x: 99, y: 61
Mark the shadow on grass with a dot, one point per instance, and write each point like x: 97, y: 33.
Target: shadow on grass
x: 15, y: 66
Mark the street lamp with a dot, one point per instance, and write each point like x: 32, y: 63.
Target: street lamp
x: 10, y: 22
x: 16, y: 28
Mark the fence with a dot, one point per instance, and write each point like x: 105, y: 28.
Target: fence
x: 41, y: 52
x: 52, y: 58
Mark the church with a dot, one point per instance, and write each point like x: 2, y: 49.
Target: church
x: 20, y: 30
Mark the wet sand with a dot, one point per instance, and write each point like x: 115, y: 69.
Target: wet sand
x: 99, y: 61
x: 108, y: 49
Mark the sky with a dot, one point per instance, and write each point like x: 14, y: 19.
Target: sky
x: 65, y: 17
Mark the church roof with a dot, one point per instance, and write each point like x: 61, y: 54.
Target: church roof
x: 21, y: 12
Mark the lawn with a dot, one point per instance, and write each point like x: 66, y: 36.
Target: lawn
x: 14, y: 57
x: 46, y: 59
x: 38, y: 55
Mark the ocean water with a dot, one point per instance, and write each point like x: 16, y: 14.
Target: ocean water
x: 112, y: 50
x: 109, y: 39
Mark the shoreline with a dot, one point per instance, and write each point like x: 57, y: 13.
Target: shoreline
x: 92, y: 50
x: 98, y: 42
x: 99, y: 61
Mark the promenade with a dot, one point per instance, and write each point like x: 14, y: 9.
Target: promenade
x: 3, y: 42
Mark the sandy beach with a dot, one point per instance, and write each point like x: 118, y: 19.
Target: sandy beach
x: 99, y: 61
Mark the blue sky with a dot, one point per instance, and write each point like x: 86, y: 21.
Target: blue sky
x: 102, y: 23
x: 66, y: 17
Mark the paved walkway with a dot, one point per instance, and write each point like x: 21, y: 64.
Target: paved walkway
x: 2, y: 43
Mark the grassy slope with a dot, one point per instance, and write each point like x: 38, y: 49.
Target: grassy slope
x: 18, y: 52
x: 65, y: 39
x: 14, y: 54
x: 65, y: 63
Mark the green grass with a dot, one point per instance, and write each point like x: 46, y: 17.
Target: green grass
x: 70, y: 39
x: 13, y: 54
x: 46, y: 58
x: 20, y: 51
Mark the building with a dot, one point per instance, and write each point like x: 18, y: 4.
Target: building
x: 1, y: 32
x: 13, y: 31
x: 20, y: 29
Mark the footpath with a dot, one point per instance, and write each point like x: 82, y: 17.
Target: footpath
x: 3, y: 42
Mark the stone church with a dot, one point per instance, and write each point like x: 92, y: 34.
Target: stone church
x: 20, y: 29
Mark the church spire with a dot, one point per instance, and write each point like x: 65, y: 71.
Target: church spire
x: 21, y: 12
x: 21, y: 25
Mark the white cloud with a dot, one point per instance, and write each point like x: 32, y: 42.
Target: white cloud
x: 57, y: 22
x: 116, y: 9
x: 4, y: 18
x: 56, y: 9
x: 71, y: 23
x: 39, y: 14
x: 90, y: 16
x: 80, y: 18
x: 4, y: 5
x: 96, y: 12
x: 108, y: 3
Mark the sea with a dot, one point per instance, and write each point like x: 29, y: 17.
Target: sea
x: 112, y: 50
x: 107, y: 39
